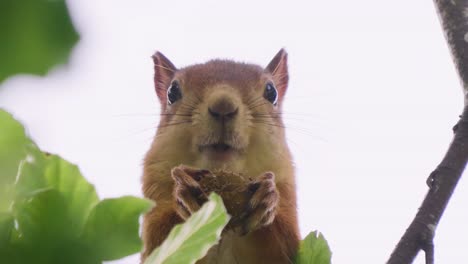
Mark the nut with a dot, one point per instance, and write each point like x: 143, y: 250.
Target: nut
x: 232, y: 187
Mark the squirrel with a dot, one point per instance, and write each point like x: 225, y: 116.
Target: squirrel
x: 223, y: 115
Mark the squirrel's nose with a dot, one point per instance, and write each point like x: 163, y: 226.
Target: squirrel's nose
x: 223, y: 109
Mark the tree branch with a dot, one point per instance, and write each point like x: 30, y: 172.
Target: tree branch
x: 443, y: 180
x: 453, y: 15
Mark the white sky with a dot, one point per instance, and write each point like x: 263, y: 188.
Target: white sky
x: 372, y: 99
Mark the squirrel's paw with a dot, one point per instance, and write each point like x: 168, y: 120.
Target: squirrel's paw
x: 188, y: 194
x: 261, y: 209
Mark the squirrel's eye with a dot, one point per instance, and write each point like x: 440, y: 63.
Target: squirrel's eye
x: 271, y: 94
x: 173, y: 93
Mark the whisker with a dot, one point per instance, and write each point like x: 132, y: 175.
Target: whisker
x: 287, y: 113
x: 136, y: 114
x: 191, y: 102
x: 292, y: 119
x: 258, y: 105
x: 176, y: 123
x: 198, y: 97
x: 303, y: 130
x: 288, y: 126
x: 267, y: 123
x: 254, y: 100
x: 190, y: 107
x: 266, y: 115
x: 134, y: 133
x: 298, y: 114
x: 175, y: 114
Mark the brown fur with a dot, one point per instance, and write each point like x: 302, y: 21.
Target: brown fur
x: 256, y: 134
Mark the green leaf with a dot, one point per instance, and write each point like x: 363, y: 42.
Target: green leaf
x: 191, y: 240
x: 314, y: 250
x: 35, y: 36
x: 46, y: 235
x: 6, y: 227
x: 44, y: 218
x: 79, y: 195
x: 13, y: 141
x: 50, y: 214
x: 31, y: 174
x: 20, y: 161
x: 112, y: 227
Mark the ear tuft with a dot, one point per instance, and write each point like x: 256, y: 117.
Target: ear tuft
x: 164, y: 71
x: 278, y: 68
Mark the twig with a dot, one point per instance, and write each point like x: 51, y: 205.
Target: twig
x: 443, y: 180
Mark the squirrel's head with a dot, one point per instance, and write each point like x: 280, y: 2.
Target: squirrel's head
x: 221, y: 113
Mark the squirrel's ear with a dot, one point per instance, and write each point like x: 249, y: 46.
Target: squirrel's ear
x: 164, y: 71
x: 278, y: 68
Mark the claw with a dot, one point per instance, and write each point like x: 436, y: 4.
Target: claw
x: 196, y: 174
x: 261, y: 209
x: 188, y: 194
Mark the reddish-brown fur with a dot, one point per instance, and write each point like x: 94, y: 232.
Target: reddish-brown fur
x: 273, y: 243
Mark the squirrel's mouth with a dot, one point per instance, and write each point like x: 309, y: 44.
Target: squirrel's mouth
x: 218, y: 151
x: 217, y: 147
x: 220, y: 147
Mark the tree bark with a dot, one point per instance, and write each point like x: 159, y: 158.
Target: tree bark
x: 453, y: 15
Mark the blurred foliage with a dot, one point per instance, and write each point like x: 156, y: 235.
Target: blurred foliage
x: 314, y: 249
x: 35, y: 35
x: 190, y: 241
x: 13, y: 142
x: 50, y: 214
